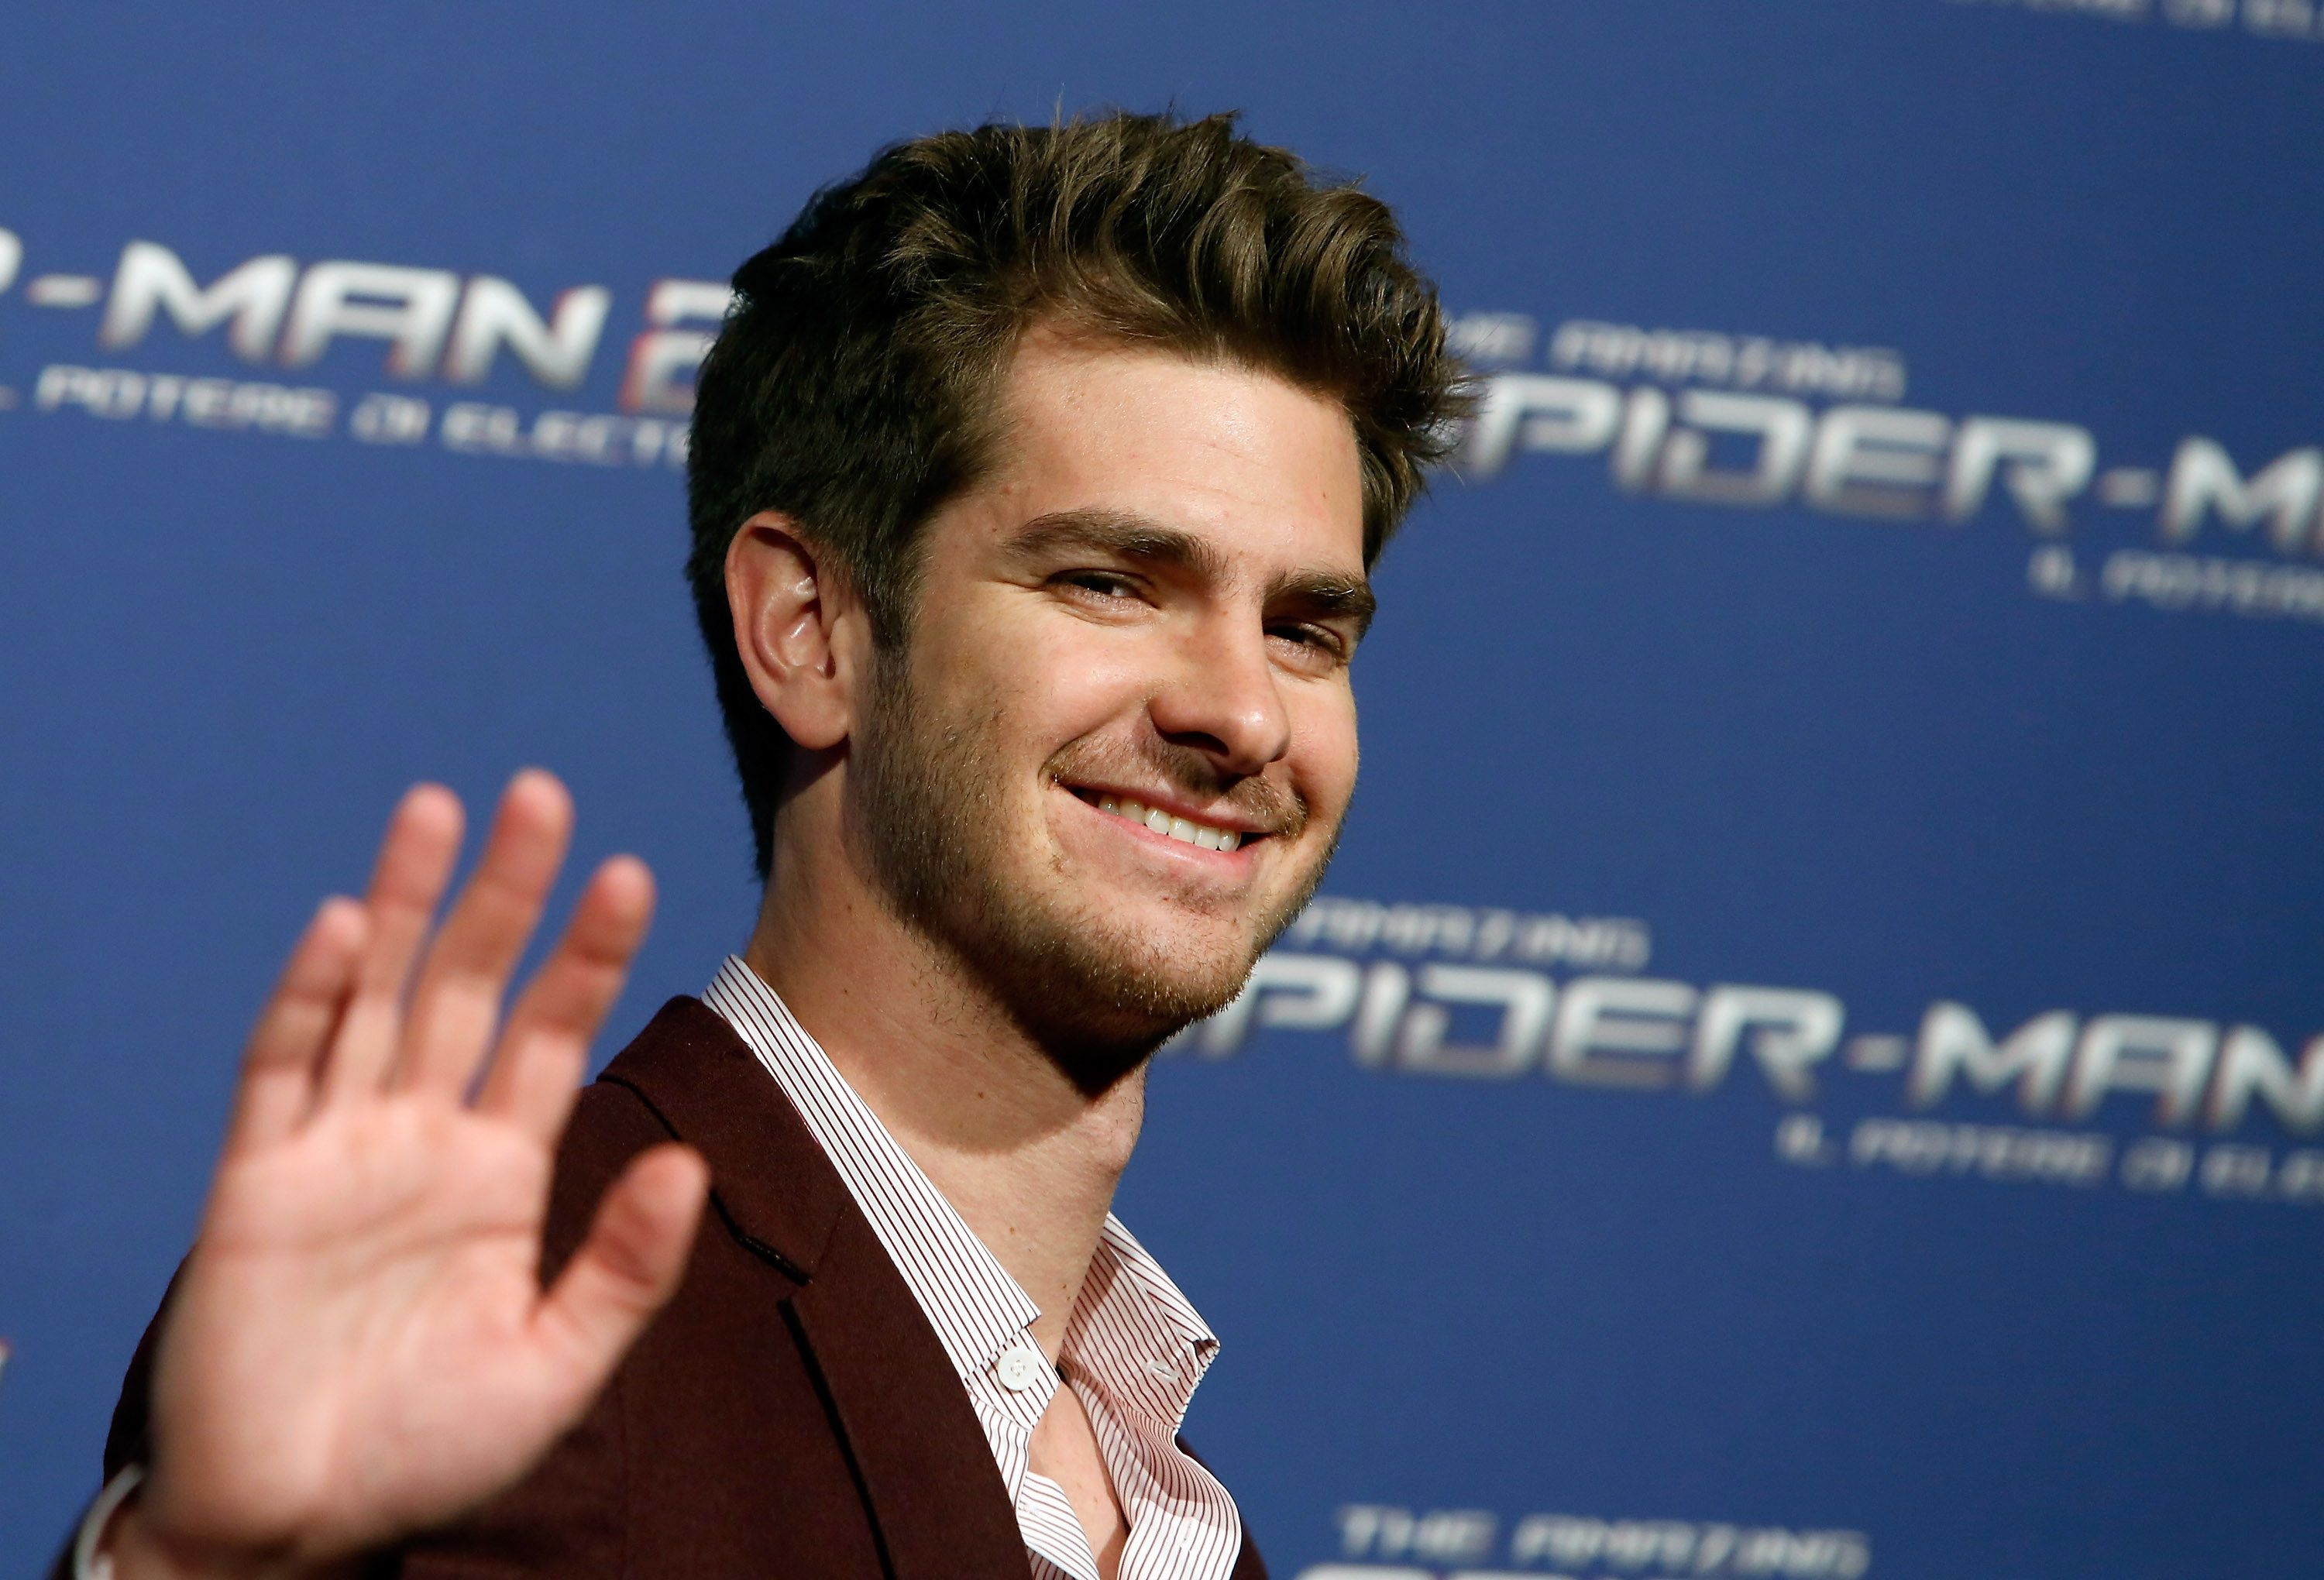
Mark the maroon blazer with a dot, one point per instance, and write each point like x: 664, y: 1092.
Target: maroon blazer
x: 791, y: 1414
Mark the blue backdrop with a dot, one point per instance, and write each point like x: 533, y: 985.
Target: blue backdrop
x: 1802, y: 1068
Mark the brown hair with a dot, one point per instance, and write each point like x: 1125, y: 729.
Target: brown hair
x: 853, y: 386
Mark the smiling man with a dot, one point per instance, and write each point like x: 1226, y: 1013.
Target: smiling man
x: 1036, y: 479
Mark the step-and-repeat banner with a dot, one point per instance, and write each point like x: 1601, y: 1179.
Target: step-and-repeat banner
x: 1807, y: 1064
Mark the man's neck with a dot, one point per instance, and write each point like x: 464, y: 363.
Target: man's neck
x: 1028, y: 1160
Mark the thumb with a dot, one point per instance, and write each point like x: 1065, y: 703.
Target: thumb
x: 629, y: 1264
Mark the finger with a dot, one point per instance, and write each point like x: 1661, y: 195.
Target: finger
x: 415, y: 859
x: 457, y: 1001
x: 546, y: 1043
x: 627, y: 1266
x: 293, y: 1034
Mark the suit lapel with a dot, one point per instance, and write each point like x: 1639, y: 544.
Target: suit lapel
x: 921, y: 1460
x: 926, y: 1466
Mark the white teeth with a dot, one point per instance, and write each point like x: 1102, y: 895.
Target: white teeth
x: 1186, y: 831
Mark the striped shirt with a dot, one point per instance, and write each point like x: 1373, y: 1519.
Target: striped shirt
x: 1134, y: 1348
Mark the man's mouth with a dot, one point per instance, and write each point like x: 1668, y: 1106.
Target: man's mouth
x: 1186, y: 831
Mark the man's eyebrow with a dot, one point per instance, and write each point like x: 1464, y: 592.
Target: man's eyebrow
x: 1124, y: 535
x: 1118, y: 533
x: 1329, y: 595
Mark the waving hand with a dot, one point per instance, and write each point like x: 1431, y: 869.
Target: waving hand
x: 359, y: 1346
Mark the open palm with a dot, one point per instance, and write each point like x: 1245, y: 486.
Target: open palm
x: 359, y: 1346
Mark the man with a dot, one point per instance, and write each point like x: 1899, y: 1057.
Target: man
x: 1037, y: 478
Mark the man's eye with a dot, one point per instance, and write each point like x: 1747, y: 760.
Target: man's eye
x: 1106, y: 583
x: 1321, y: 641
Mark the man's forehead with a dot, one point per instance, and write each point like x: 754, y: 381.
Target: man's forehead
x: 1240, y: 459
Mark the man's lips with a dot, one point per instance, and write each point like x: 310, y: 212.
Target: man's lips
x: 1160, y: 814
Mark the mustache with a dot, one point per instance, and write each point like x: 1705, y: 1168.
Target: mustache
x: 1269, y: 807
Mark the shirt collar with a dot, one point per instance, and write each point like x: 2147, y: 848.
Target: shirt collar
x: 1133, y: 1333
x: 976, y: 1309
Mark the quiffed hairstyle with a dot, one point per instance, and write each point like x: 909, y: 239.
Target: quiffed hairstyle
x: 854, y: 385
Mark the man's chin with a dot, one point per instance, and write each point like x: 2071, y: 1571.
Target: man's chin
x: 1101, y: 999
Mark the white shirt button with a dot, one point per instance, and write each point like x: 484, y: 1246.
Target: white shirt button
x: 1019, y: 1367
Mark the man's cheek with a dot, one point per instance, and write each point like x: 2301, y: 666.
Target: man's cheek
x: 1089, y: 688
x: 1324, y: 759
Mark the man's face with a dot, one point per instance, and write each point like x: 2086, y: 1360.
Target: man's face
x: 1136, y: 629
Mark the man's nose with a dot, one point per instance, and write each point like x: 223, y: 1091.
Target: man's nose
x: 1225, y: 700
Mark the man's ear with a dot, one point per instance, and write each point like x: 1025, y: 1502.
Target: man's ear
x: 799, y: 629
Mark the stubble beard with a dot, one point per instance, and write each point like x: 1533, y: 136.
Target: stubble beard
x: 1096, y: 997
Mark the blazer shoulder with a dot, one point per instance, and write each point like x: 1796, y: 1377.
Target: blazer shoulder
x: 617, y: 1117
x: 610, y: 1125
